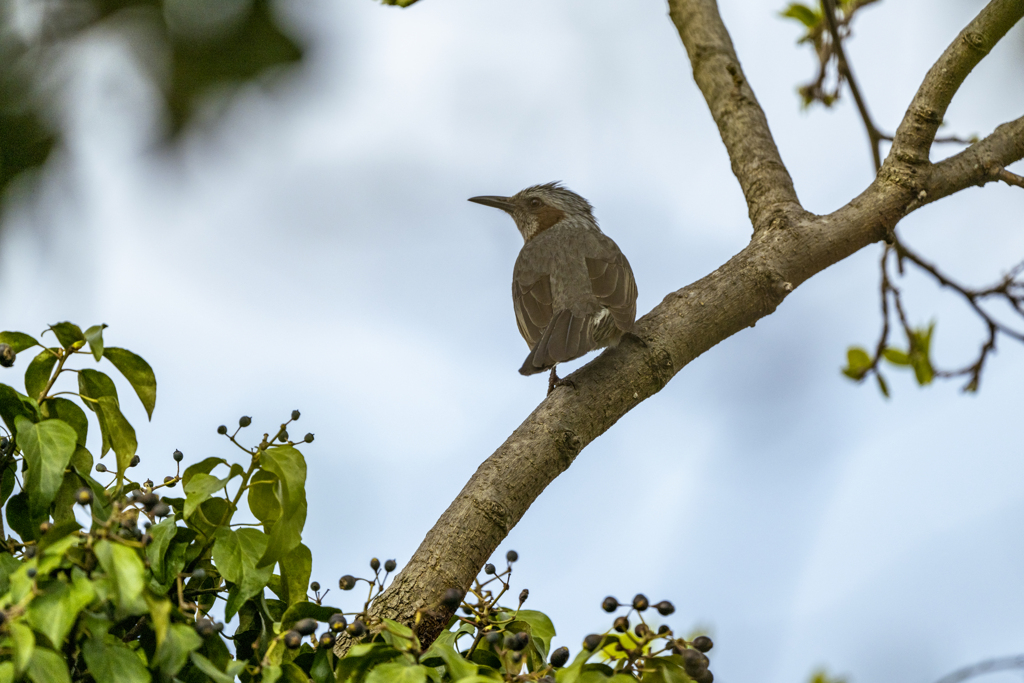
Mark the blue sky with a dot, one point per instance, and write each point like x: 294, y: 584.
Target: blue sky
x: 311, y: 247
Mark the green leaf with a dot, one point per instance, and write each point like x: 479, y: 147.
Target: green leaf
x: 882, y: 386
x: 13, y: 404
x: 202, y: 467
x: 306, y: 610
x: 444, y: 647
x: 93, y: 384
x: 172, y: 654
x: 802, y: 13
x: 397, y: 672
x: 68, y: 334
x: 37, y: 375
x: 111, y: 661
x: 58, y: 532
x: 858, y: 363
x: 126, y: 573
x: 138, y: 373
x: 236, y: 553
x: 8, y: 565
x: 119, y: 432
x: 208, y: 668
x: 6, y: 672
x: 94, y: 335
x: 54, y: 612
x: 46, y: 666
x: 62, y: 409
x: 296, y: 568
x: 540, y: 627
x: 199, y: 488
x: 289, y: 466
x: 48, y: 447
x: 264, y: 496
x: 6, y: 484
x: 24, y: 644
x: 19, y: 518
x: 19, y: 341
x: 895, y: 356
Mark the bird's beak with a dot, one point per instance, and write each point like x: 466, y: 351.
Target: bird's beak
x: 503, y: 203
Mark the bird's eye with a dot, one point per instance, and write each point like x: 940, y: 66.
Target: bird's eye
x: 534, y: 203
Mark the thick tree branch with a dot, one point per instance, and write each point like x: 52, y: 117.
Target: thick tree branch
x: 741, y: 122
x: 982, y: 162
x: 914, y: 137
x: 789, y: 246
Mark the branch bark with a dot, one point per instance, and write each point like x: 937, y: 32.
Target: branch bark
x: 788, y: 247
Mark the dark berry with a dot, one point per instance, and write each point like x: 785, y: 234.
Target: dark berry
x: 489, y: 569
x: 135, y: 461
x: 147, y: 539
x: 224, y: 430
x: 511, y: 556
x: 591, y: 642
x: 31, y: 572
x: 178, y: 456
x: 466, y: 609
x: 161, y: 509
x: 452, y: 598
x: 609, y: 604
x: 295, y: 415
x: 640, y: 602
x: 308, y: 438
x: 205, y: 627
x: 390, y: 566
x: 306, y: 627
x: 347, y: 582
x: 375, y: 564
x: 525, y: 594
x: 641, y: 630
x: 703, y: 643
x: 694, y: 662
x: 517, y: 641
x: 356, y: 628
x: 292, y: 639
x: 337, y: 622
x: 101, y: 467
x: 706, y: 677
x: 244, y: 421
x: 621, y: 624
x: 494, y: 637
x: 559, y: 657
x: 663, y: 629
x: 30, y: 551
x: 83, y: 496
x: 665, y: 608
x: 315, y: 587
x: 326, y: 639
x: 283, y: 436
x: 7, y: 355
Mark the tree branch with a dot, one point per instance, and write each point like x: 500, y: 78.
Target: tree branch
x: 982, y: 162
x: 741, y: 122
x: 914, y: 137
x: 789, y: 246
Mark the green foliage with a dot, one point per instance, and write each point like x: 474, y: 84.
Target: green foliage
x: 917, y: 357
x: 122, y: 591
x: 201, y: 47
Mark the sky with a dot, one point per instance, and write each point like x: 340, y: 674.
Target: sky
x: 310, y: 246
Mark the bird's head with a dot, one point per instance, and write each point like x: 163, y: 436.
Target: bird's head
x: 540, y: 207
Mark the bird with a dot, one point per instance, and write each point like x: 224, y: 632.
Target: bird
x: 573, y: 290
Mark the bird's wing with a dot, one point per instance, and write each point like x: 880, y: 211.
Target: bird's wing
x: 532, y: 302
x: 611, y: 280
x: 567, y: 337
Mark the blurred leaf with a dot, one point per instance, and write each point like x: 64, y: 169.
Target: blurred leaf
x: 38, y: 372
x: 802, y: 13
x: 62, y: 409
x: 14, y: 404
x: 110, y: 660
x: 444, y: 647
x: 172, y: 654
x: 25, y: 141
x: 127, y: 575
x: 19, y: 519
x: 6, y: 485
x: 24, y: 644
x: 138, y: 373
x: 94, y: 335
x: 895, y: 356
x: 68, y: 334
x: 47, y: 447
x: 19, y: 341
x: 882, y: 386
x: 46, y: 666
x: 55, y: 611
x: 208, y: 668
x: 397, y: 672
x: 858, y: 362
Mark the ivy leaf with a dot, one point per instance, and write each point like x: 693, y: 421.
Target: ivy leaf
x: 48, y: 447
x: 138, y: 373
x: 236, y: 553
x: 46, y: 666
x: 802, y: 13
x: 199, y: 488
x: 54, y: 612
x: 94, y: 335
x: 37, y: 374
x: 13, y: 404
x: 60, y: 408
x: 172, y: 654
x: 111, y: 660
x: 397, y: 672
x: 126, y: 574
x: 210, y: 669
x: 19, y: 341
x: 68, y: 334
x: 120, y: 433
x: 296, y: 568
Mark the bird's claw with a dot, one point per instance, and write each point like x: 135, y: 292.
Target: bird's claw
x: 555, y: 381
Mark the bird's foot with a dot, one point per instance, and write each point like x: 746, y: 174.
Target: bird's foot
x: 555, y: 381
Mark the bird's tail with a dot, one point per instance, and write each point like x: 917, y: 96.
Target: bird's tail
x: 566, y: 337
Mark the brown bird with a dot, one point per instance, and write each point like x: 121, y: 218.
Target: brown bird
x: 572, y: 289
